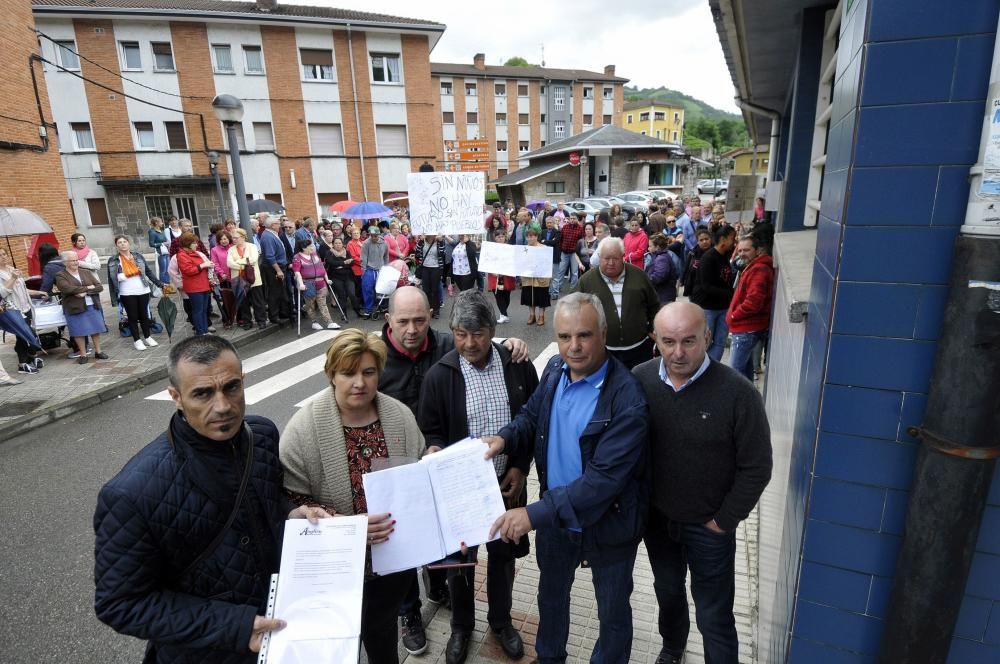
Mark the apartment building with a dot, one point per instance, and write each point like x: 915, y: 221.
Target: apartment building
x: 652, y: 117
x: 520, y: 109
x: 338, y: 105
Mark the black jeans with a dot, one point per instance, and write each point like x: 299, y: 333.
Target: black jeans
x: 464, y: 282
x: 379, y: 610
x: 674, y: 548
x: 344, y: 292
x: 499, y: 591
x: 137, y: 311
x: 503, y: 300
x: 253, y: 301
x: 430, y: 281
x: 277, y: 299
x: 438, y: 581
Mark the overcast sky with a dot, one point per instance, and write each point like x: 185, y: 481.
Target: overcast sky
x: 672, y: 43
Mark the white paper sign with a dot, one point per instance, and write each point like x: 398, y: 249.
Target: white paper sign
x: 515, y: 260
x: 990, y: 185
x: 446, y: 203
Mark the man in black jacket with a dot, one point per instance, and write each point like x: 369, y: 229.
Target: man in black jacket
x: 413, y: 349
x: 188, y: 533
x: 475, y: 390
x: 714, y: 286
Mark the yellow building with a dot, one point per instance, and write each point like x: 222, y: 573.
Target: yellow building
x: 658, y: 119
x: 742, y: 160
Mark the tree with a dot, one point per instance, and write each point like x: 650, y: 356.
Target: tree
x: 517, y: 61
x: 704, y: 129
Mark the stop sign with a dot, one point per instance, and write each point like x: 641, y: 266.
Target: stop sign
x: 574, y: 158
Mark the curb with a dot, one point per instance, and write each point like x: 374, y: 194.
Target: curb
x: 51, y: 413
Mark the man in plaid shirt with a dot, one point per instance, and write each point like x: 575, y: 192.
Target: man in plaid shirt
x: 571, y: 231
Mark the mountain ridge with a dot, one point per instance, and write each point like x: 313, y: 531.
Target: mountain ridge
x: 693, y: 108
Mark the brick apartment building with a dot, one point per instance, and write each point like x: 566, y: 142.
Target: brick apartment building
x: 521, y: 109
x: 28, y: 154
x: 338, y: 104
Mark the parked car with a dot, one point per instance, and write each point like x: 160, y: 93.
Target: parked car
x: 718, y: 186
x: 587, y: 207
x: 660, y: 194
x: 605, y: 203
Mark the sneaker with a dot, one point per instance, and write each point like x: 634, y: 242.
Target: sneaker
x: 38, y: 362
x: 73, y: 354
x: 26, y: 368
x: 150, y: 341
x: 333, y: 326
x: 100, y: 356
x: 211, y: 329
x: 317, y: 326
x: 414, y: 637
x: 139, y: 345
x: 502, y: 319
x: 438, y: 596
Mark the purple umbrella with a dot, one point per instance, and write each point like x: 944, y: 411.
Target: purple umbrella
x: 366, y: 210
x: 535, y: 205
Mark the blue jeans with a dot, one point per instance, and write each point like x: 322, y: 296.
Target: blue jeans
x: 368, y: 290
x: 567, y: 262
x: 673, y: 548
x: 199, y: 311
x: 741, y: 351
x: 559, y: 553
x: 163, y: 263
x: 717, y: 326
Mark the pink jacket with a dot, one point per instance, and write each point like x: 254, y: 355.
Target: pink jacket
x: 635, y: 248
x: 220, y: 256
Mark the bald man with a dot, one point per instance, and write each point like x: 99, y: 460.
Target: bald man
x: 710, y: 447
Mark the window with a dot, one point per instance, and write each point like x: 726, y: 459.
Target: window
x: 145, y: 139
x: 541, y: 89
x: 502, y: 119
x: 522, y: 118
x: 98, y: 209
x: 543, y: 143
x: 317, y: 64
x: 448, y: 117
x: 326, y: 139
x: 159, y: 206
x: 677, y: 117
x: 222, y: 54
x: 385, y: 68
x: 241, y: 141
x: 131, y: 57
x: 472, y: 117
x: 263, y: 137
x: 543, y: 118
x: 657, y: 133
x: 446, y: 88
x: 560, y: 128
x: 391, y: 140
x: 66, y: 53
x: 644, y: 117
x: 522, y: 89
x: 675, y: 136
x: 588, y: 119
x: 555, y: 187
x: 501, y: 172
x: 83, y: 138
x: 643, y: 132
x: 501, y: 146
x: 522, y: 146
x: 607, y: 119
x: 559, y: 97
x: 588, y: 92
x: 500, y: 89
x: 659, y: 115
x: 470, y: 89
x: 163, y: 57
x: 254, y: 58
x: 176, y: 137
x: 609, y: 93
x: 628, y: 119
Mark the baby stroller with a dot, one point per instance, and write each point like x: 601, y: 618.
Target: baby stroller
x: 48, y: 322
x: 390, y: 277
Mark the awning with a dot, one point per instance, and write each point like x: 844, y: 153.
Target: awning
x: 196, y: 180
x: 531, y: 172
x: 701, y: 161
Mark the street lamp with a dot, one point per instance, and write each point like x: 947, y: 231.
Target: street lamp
x: 213, y: 165
x: 229, y: 110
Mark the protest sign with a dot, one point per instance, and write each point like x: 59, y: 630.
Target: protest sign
x: 446, y: 203
x: 516, y: 260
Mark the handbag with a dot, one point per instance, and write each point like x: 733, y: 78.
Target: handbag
x: 249, y: 274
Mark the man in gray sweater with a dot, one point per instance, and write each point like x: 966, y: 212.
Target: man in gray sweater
x: 710, y: 447
x: 374, y: 256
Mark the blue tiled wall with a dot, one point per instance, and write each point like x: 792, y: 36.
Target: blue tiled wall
x: 909, y: 99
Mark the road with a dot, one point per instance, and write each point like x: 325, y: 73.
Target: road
x: 51, y: 477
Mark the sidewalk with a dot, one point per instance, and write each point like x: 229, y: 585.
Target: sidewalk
x: 584, y: 625
x: 64, y: 387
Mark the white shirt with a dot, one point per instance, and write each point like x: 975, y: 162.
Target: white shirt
x: 460, y: 261
x: 616, y: 288
x: 697, y: 374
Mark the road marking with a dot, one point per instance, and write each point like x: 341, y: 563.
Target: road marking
x: 543, y: 358
x: 271, y: 356
x: 285, y: 379
x: 310, y: 399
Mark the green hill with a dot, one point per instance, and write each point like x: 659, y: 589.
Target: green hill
x: 693, y: 108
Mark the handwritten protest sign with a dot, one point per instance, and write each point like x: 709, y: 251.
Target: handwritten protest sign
x: 515, y: 260
x: 446, y: 203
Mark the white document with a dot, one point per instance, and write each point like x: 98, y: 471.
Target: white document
x: 444, y: 203
x: 515, y: 260
x: 443, y: 500
x: 318, y: 592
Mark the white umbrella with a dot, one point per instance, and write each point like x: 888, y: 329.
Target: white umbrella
x: 20, y: 221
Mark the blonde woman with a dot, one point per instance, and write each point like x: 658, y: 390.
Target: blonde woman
x: 244, y: 273
x: 328, y: 446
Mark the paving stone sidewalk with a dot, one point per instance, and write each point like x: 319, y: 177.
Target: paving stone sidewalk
x: 64, y: 387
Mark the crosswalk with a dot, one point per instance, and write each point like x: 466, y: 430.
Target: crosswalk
x: 263, y: 388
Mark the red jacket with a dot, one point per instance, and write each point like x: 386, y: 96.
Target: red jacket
x: 508, y: 283
x: 194, y: 275
x: 636, y: 245
x: 750, y: 308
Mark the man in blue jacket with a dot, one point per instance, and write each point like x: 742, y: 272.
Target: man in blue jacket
x: 273, y: 265
x: 587, y: 428
x: 188, y: 533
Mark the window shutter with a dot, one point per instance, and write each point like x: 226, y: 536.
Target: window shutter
x: 313, y: 56
x: 391, y: 139
x: 326, y: 139
x: 263, y: 137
